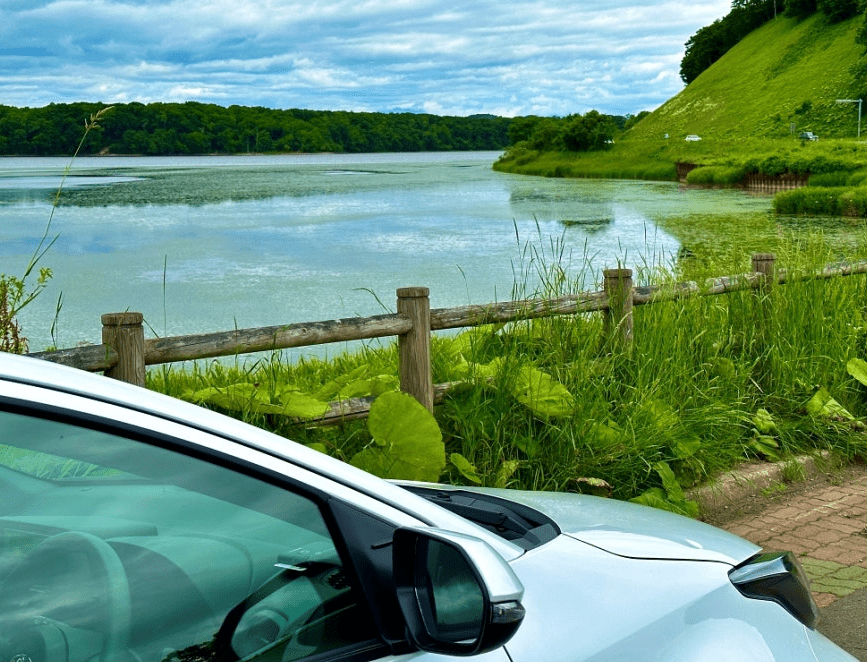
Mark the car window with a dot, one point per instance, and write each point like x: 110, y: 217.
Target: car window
x: 113, y: 548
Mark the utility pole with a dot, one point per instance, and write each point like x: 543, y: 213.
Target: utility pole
x: 858, y: 101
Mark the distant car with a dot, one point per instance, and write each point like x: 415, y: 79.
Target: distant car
x: 691, y: 138
x: 138, y: 528
x: 808, y: 135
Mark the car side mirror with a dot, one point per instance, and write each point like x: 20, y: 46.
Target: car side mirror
x: 457, y: 595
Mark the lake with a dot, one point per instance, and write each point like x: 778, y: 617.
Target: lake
x: 202, y: 244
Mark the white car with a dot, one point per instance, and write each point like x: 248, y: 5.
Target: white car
x: 138, y: 528
x: 692, y: 138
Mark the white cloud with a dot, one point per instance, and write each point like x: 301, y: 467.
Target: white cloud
x: 506, y: 57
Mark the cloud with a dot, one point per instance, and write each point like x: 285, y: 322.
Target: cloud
x: 504, y: 57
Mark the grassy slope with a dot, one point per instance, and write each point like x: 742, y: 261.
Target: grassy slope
x: 742, y: 107
x: 755, y: 89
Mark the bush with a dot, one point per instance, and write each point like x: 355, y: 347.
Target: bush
x: 829, y: 179
x: 716, y: 176
x: 838, y: 10
x: 854, y: 202
x: 809, y: 201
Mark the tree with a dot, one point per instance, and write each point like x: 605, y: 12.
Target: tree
x: 800, y: 8
x: 713, y: 41
x: 838, y: 10
x: 590, y: 132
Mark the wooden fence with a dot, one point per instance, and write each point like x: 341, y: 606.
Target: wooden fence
x: 124, y: 352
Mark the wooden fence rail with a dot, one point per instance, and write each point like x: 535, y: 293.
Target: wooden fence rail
x: 125, y: 352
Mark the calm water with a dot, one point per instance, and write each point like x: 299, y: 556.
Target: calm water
x: 213, y: 243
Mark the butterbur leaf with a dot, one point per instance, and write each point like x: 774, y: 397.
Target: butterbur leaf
x: 657, y: 498
x: 331, y: 389
x: 595, y: 486
x: 654, y: 497
x: 858, y: 369
x: 488, y: 370
x: 237, y: 397
x: 669, y: 481
x: 822, y: 405
x: 465, y: 467
x: 529, y: 445
x: 408, y: 442
x: 764, y: 422
x: 505, y: 472
x: 300, y: 405
x: 686, y: 447
x: 663, y: 416
x: 764, y: 446
x: 606, y: 434
x: 542, y: 394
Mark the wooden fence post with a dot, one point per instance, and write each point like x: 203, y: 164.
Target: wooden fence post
x: 617, y: 326
x: 765, y: 265
x: 414, y: 346
x: 124, y: 332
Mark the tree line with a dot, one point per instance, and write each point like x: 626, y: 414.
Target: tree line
x: 713, y: 41
x: 163, y: 129
x: 592, y: 131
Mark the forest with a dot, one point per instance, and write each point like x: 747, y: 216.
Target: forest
x: 713, y: 41
x: 162, y: 129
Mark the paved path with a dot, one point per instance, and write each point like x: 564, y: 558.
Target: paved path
x: 826, y: 526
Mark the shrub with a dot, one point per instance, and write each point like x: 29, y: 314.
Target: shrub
x: 830, y: 179
x: 716, y: 176
x: 809, y: 201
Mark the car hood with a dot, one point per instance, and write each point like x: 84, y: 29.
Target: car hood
x: 632, y: 530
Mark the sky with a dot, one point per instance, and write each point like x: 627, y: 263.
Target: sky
x: 503, y: 57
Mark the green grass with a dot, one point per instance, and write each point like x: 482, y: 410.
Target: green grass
x: 547, y: 404
x: 748, y: 108
x: 782, y: 73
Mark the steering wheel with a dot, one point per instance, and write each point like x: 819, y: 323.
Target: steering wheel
x: 68, y: 600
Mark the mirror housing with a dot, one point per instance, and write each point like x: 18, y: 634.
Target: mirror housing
x: 457, y: 595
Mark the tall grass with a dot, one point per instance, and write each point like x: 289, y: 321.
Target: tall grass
x: 695, y: 394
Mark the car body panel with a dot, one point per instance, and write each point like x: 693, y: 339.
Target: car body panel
x: 649, y: 610
x: 629, y: 529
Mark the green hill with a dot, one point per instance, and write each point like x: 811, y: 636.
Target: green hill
x: 749, y: 108
x: 785, y: 73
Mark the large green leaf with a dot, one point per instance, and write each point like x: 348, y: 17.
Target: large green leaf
x: 505, y: 472
x: 670, y: 497
x: 661, y: 414
x: 296, y: 404
x: 669, y: 481
x: 606, y: 434
x: 686, y: 446
x: 764, y: 422
x: 329, y: 390
x: 656, y: 498
x: 822, y: 405
x: 236, y: 397
x: 858, y: 369
x: 407, y: 440
x: 361, y: 388
x: 466, y: 468
x: 247, y: 397
x: 541, y: 393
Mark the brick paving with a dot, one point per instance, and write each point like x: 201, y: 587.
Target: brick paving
x: 826, y: 527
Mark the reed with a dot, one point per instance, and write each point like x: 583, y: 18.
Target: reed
x: 547, y: 404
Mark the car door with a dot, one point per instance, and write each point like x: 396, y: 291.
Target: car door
x: 126, y: 537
